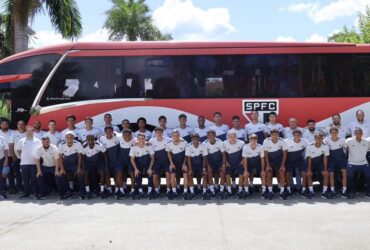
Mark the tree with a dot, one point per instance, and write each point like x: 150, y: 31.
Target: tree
x: 353, y: 36
x: 64, y: 16
x: 131, y: 19
x: 5, y: 41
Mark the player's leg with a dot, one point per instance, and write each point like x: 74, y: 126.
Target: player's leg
x: 344, y: 182
x: 211, y: 184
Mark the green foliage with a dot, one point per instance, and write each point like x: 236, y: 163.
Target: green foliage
x: 353, y: 36
x: 132, y: 20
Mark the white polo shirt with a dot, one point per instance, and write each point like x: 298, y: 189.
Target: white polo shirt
x: 6, y: 135
x: 193, y: 151
x: 357, y: 151
x: 313, y: 151
x: 175, y: 149
x: 83, y: 133
x: 288, y: 132
x: 3, y: 146
x: 14, y: 138
x: 48, y: 155
x: 248, y: 152
x: 270, y: 146
x: 365, y: 126
x: 147, y: 134
x: 138, y: 152
x: 55, y: 138
x: 28, y: 148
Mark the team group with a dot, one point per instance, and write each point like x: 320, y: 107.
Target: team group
x: 83, y: 161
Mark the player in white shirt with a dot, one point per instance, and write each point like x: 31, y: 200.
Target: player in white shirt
x: 317, y: 163
x: 357, y: 149
x: 37, y: 132
x: 141, y: 123
x: 220, y: 128
x: 111, y: 143
x: 360, y: 123
x: 309, y: 134
x: 142, y: 160
x: 52, y: 175
x: 15, y: 173
x: 70, y: 160
x: 240, y: 132
x: 295, y: 163
x: 54, y: 136
x: 255, y: 127
x: 71, y: 120
x: 343, y: 131
x: 4, y: 149
x: 273, y: 124
x: 337, y: 161
x: 254, y: 162
x: 176, y: 155
x: 201, y: 130
x: 30, y: 172
x: 293, y: 126
x: 234, y: 165
x: 275, y: 159
x: 197, y: 166
x: 94, y: 162
x: 216, y: 159
x: 88, y: 130
x: 125, y: 124
x: 108, y: 123
x: 161, y: 162
x: 162, y: 123
x: 184, y: 130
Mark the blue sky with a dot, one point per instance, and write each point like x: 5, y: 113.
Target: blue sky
x: 251, y: 20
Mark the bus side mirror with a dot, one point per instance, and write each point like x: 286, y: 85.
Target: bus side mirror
x: 35, y: 110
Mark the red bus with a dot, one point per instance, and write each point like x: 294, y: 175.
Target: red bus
x: 149, y: 79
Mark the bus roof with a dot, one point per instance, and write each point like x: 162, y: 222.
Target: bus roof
x: 154, y: 45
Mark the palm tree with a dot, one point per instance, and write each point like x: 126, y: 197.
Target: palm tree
x: 132, y: 20
x: 64, y: 16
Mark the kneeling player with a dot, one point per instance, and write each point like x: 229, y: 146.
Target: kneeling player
x: 94, y: 162
x: 70, y: 159
x: 254, y: 162
x: 176, y: 155
x: 317, y: 163
x: 275, y: 157
x: 337, y: 160
x: 234, y: 165
x: 142, y: 159
x: 195, y: 153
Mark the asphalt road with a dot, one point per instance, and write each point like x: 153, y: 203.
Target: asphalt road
x: 162, y: 224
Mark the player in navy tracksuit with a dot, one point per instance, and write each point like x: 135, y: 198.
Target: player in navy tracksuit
x: 71, y: 161
x: 176, y: 154
x: 95, y: 163
x: 337, y: 160
x: 275, y: 157
x: 124, y: 166
x: 142, y: 159
x: 216, y: 159
x: 161, y: 162
x: 111, y: 143
x: 195, y: 153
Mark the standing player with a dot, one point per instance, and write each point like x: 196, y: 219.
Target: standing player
x: 310, y: 132
x: 295, y: 162
x: 141, y: 123
x: 275, y: 158
x: 142, y: 159
x: 4, y: 149
x: 94, y: 162
x: 111, y: 143
x: 124, y: 167
x: 70, y: 160
x: 125, y: 124
x: 30, y: 172
x: 254, y: 162
x: 71, y: 120
x: 273, y: 124
x: 108, y: 123
x: 215, y: 161
x: 176, y: 155
x: 343, y: 131
x: 201, y: 130
x: 360, y: 123
x: 162, y: 122
x: 234, y: 165
x: 337, y: 160
x: 161, y: 162
x: 6, y: 133
x: 195, y: 153
x: 357, y: 148
x: 240, y: 132
x: 88, y: 130
x: 53, y: 134
x: 220, y: 128
x: 293, y: 126
x: 255, y: 127
x: 184, y: 130
x: 317, y: 163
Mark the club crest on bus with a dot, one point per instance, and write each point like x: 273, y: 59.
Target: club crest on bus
x: 263, y: 106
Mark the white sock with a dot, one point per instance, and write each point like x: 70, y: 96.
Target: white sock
x: 222, y: 188
x: 324, y: 189
x: 140, y: 190
x: 270, y: 189
x: 150, y: 189
x: 71, y: 184
x: 240, y: 189
x: 229, y: 189
x: 344, y: 189
x: 263, y: 189
x: 121, y: 189
x: 101, y: 188
x: 289, y: 190
x: 303, y: 189
x: 212, y: 188
x: 246, y: 189
x: 281, y: 190
x: 311, y: 188
x: 204, y: 190
x: 191, y: 190
x: 168, y: 190
x: 174, y: 190
x: 332, y: 189
x: 87, y: 188
x: 185, y: 190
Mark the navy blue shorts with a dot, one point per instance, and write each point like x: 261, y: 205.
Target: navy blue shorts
x: 158, y: 167
x: 235, y: 170
x: 291, y: 165
x: 197, y: 171
x: 216, y: 166
x: 121, y: 166
x: 334, y: 164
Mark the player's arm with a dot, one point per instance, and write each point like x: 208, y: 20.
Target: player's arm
x: 245, y: 163
x: 6, y: 158
x: 80, y: 164
x: 285, y: 153
x: 172, y: 165
x: 224, y: 161
x: 267, y: 160
x: 150, y: 170
x: 309, y: 166
x: 12, y: 151
x: 133, y: 163
x: 38, y: 165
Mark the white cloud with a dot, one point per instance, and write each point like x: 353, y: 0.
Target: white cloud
x: 101, y: 35
x: 187, y: 22
x: 285, y: 39
x: 331, y: 11
x: 316, y: 38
